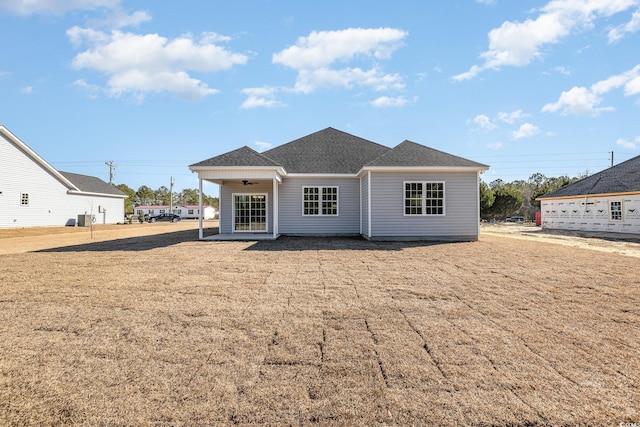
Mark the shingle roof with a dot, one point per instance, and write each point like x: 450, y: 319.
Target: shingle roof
x: 91, y: 184
x: 326, y: 151
x: 409, y: 153
x: 335, y: 152
x: 621, y: 178
x: 243, y: 156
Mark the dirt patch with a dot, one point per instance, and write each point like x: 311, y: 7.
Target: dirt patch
x: 623, y: 244
x: 163, y: 329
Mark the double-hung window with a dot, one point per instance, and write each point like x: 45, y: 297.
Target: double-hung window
x: 24, y: 199
x: 424, y: 198
x: 320, y: 201
x: 615, y: 208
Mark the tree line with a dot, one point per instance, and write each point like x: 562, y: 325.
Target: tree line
x: 146, y: 196
x: 499, y: 199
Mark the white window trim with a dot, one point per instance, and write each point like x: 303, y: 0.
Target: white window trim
x: 320, y: 187
x: 611, y: 202
x: 423, y: 214
x: 22, y: 198
x: 233, y: 212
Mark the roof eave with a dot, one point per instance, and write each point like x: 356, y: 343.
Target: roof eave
x: 422, y: 169
x: 278, y: 169
x: 582, y: 196
x: 89, y: 193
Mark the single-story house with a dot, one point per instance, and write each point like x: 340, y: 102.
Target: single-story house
x: 33, y: 193
x: 185, y: 211
x: 331, y: 183
x: 606, y: 201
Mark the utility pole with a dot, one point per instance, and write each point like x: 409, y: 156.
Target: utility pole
x: 171, y: 182
x: 611, y: 158
x: 112, y: 167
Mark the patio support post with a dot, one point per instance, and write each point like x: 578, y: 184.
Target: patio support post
x: 275, y: 208
x: 200, y: 234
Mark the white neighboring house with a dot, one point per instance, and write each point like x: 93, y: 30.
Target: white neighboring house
x: 184, y: 211
x: 193, y: 211
x: 33, y: 193
x: 606, y: 201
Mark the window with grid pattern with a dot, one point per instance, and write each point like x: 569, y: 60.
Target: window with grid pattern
x: 320, y: 201
x: 424, y: 198
x: 24, y: 199
x: 616, y: 211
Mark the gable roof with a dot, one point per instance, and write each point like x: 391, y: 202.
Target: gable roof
x: 243, y: 156
x: 326, y: 151
x: 74, y: 182
x: 409, y: 153
x: 621, y: 178
x: 91, y: 184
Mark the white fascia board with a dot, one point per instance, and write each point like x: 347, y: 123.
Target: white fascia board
x: 217, y: 174
x: 278, y: 169
x: 88, y: 193
x: 366, y: 169
x: 35, y: 157
x: 322, y: 175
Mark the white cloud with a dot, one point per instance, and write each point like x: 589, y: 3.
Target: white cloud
x: 619, y: 32
x: 629, y: 145
x: 260, y: 97
x: 483, y: 121
x: 149, y: 63
x: 385, y: 101
x: 577, y: 100
x: 527, y: 130
x: 494, y: 145
x: 486, y: 2
x: 263, y: 146
x: 512, y: 117
x: 563, y: 71
x: 314, y: 58
x: 54, y: 7
x: 310, y: 80
x: 518, y: 43
x: 582, y: 100
x: 27, y: 90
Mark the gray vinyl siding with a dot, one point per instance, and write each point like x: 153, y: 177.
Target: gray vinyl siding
x: 461, y: 207
x: 226, y: 203
x: 364, y: 185
x: 292, y: 222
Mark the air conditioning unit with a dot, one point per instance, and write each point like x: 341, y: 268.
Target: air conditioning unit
x: 84, y: 220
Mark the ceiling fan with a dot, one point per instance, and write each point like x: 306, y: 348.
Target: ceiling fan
x: 246, y: 182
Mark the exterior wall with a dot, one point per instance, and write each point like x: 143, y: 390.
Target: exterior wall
x: 460, y: 221
x: 591, y: 214
x: 227, y: 190
x: 292, y: 222
x: 364, y: 201
x: 208, y: 212
x: 49, y: 202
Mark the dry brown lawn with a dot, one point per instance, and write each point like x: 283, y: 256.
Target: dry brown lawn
x: 165, y: 330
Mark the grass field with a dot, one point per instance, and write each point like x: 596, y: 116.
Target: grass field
x: 169, y: 331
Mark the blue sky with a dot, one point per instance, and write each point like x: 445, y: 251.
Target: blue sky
x: 524, y: 86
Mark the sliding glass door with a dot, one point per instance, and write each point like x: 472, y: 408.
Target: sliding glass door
x: 250, y: 212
